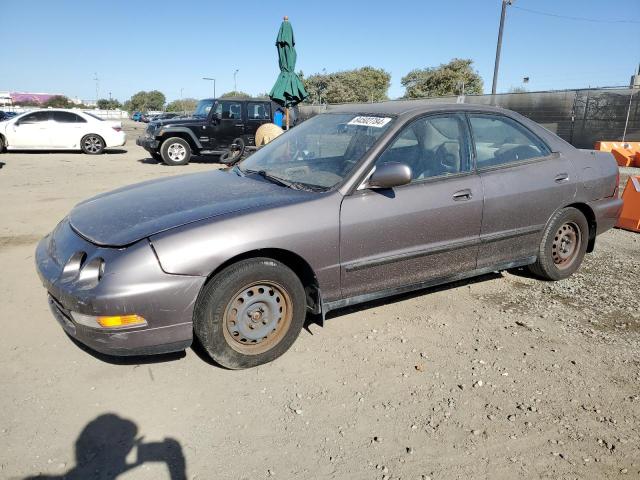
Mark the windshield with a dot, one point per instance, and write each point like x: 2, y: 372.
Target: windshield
x: 203, y: 108
x: 320, y: 152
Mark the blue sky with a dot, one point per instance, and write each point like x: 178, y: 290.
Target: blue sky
x: 56, y: 46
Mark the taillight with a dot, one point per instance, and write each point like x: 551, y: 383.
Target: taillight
x: 117, y: 129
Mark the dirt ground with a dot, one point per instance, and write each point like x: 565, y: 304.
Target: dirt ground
x: 501, y: 377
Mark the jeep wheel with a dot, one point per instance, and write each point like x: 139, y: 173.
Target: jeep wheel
x: 175, y: 151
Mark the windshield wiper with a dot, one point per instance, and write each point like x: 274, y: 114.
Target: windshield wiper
x: 272, y: 178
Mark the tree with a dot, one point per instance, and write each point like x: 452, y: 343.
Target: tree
x: 58, y: 101
x: 366, y: 84
x: 448, y: 79
x: 235, y: 94
x: 108, y: 104
x: 184, y: 105
x: 143, y: 101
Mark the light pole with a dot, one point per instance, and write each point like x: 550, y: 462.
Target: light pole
x: 499, y: 46
x: 214, y: 84
x: 235, y: 83
x: 97, y: 80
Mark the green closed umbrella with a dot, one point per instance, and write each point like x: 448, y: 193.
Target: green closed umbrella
x: 288, y: 89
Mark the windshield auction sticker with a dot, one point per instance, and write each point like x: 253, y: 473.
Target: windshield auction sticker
x: 370, y: 121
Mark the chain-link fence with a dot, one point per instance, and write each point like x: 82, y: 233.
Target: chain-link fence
x: 581, y: 117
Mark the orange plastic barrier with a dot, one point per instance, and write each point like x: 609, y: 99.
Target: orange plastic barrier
x: 607, y: 146
x: 630, y: 216
x: 624, y: 157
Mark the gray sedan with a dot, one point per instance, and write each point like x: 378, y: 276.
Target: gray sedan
x: 361, y: 203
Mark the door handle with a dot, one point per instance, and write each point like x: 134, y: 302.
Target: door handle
x: 462, y: 195
x: 562, y: 177
x: 239, y: 124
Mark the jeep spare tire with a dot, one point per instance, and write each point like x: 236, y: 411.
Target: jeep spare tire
x: 235, y: 152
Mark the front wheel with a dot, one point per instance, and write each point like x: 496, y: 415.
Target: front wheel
x: 92, y: 144
x: 250, y: 313
x: 563, y: 245
x: 175, y: 151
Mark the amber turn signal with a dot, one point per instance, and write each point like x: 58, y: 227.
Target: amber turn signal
x: 116, y: 321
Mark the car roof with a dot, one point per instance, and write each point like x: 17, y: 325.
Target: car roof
x: 401, y: 107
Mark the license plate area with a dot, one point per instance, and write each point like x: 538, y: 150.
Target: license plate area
x: 61, y: 316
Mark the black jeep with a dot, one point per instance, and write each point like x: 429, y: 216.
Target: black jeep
x: 222, y: 127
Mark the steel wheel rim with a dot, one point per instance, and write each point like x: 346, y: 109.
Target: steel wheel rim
x: 93, y: 144
x: 176, y: 152
x: 258, y: 317
x: 566, y: 245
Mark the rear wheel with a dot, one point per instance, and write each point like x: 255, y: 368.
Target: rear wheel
x: 175, y: 151
x: 563, y: 245
x: 250, y: 313
x: 1, y: 144
x: 92, y: 144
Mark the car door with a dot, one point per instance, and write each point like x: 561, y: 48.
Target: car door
x: 67, y: 128
x: 229, y: 123
x: 31, y: 131
x: 524, y: 183
x: 423, y: 231
x: 258, y: 113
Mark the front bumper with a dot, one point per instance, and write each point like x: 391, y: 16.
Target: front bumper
x: 133, y: 282
x: 149, y: 144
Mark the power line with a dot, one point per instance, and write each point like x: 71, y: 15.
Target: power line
x: 578, y: 19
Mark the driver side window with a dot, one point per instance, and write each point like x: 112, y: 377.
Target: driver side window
x: 432, y: 146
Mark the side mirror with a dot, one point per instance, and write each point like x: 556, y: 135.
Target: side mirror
x: 389, y: 175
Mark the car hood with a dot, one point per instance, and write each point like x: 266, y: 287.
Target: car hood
x: 179, y: 121
x: 124, y: 216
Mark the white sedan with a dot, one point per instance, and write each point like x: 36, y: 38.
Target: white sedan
x: 57, y: 129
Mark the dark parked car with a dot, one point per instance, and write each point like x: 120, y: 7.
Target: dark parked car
x: 217, y: 127
x: 354, y: 205
x: 6, y: 115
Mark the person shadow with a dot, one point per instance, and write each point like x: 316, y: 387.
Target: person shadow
x: 102, y: 448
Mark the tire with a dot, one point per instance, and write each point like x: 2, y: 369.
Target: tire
x: 175, y: 151
x: 1, y: 144
x: 250, y: 313
x: 230, y: 157
x: 92, y: 144
x: 563, y: 245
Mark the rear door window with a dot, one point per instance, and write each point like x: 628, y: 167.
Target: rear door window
x: 258, y: 111
x: 67, y: 117
x: 500, y: 140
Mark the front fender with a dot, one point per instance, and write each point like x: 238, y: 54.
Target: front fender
x: 168, y: 131
x: 308, y: 229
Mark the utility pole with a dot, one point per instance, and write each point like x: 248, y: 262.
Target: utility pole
x: 499, y: 46
x: 214, y: 84
x: 235, y: 83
